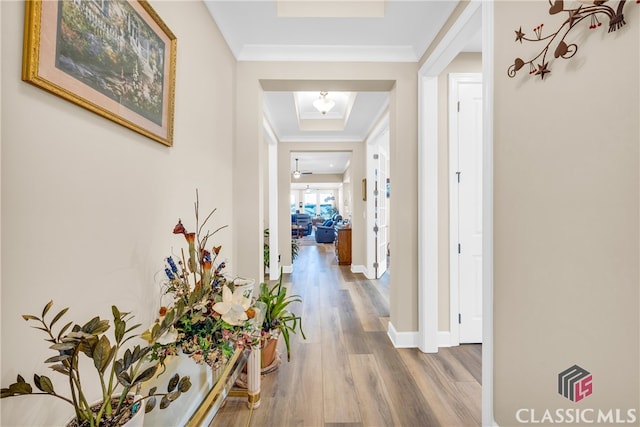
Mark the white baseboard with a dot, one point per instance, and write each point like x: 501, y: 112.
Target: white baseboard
x: 444, y: 339
x: 287, y: 269
x: 402, y: 339
x: 359, y: 269
x: 369, y: 273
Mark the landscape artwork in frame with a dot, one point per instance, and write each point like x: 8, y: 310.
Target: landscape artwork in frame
x: 116, y: 58
x: 364, y: 189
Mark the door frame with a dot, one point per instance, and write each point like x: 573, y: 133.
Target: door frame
x: 454, y: 238
x: 461, y: 31
x: 449, y: 46
x: 272, y: 155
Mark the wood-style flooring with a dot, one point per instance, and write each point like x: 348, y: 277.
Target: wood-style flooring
x: 347, y: 373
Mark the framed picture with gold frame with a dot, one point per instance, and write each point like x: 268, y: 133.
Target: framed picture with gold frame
x: 115, y: 58
x: 364, y: 189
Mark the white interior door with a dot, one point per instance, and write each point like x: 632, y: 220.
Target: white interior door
x: 466, y: 191
x: 381, y: 214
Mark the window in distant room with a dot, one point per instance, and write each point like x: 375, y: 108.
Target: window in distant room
x: 327, y: 205
x: 292, y: 202
x: 310, y: 203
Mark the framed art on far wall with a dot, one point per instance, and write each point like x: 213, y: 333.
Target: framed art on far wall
x: 115, y: 58
x: 364, y: 189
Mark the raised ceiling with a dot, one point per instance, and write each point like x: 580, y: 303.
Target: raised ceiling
x: 297, y: 121
x: 329, y: 30
x: 337, y: 30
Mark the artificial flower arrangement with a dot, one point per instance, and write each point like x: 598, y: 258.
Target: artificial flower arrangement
x: 222, y: 315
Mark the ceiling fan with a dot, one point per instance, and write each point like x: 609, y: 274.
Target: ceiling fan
x: 297, y: 174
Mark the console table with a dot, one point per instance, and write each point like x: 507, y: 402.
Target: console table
x: 343, y: 245
x: 209, y: 391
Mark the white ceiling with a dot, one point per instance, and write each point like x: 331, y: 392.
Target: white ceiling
x: 325, y: 162
x: 317, y: 164
x: 256, y: 32
x: 337, y: 30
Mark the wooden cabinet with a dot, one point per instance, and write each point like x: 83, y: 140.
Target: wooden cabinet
x: 343, y: 246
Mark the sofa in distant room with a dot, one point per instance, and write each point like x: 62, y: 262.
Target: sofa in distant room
x: 326, y: 232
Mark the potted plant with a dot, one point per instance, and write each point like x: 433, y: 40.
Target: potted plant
x: 278, y: 320
x: 206, y: 318
x: 121, y: 371
x: 266, y: 256
x: 295, y: 247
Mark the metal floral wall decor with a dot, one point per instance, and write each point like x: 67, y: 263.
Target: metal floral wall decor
x: 594, y: 12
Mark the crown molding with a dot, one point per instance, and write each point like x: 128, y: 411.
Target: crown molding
x: 341, y: 139
x: 302, y: 53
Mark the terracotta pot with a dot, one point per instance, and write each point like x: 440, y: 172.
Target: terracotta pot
x: 268, y: 352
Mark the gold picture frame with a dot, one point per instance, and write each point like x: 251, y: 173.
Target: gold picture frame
x: 364, y: 189
x: 115, y: 58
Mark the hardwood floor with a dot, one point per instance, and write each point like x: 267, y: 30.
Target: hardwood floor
x: 347, y: 373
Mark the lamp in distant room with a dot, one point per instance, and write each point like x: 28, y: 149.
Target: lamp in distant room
x: 296, y: 173
x: 324, y: 104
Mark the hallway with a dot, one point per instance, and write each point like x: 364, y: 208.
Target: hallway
x: 347, y: 373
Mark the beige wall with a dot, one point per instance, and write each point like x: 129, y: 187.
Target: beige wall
x: 465, y: 62
x: 566, y: 217
x: 88, y: 206
x: 265, y: 186
x: 401, y: 80
x: 316, y: 178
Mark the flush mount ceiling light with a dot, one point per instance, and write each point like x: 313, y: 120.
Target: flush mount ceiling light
x: 324, y: 104
x: 296, y: 173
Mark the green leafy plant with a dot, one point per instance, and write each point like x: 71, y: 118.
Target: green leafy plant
x: 266, y: 256
x: 121, y: 371
x: 207, y: 318
x: 294, y: 250
x: 278, y: 319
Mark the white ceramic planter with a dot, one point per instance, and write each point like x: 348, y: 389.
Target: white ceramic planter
x: 136, y: 421
x: 246, y: 285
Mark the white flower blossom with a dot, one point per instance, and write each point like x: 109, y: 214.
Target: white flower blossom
x: 233, y: 306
